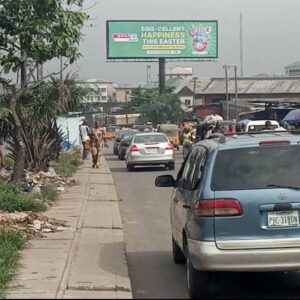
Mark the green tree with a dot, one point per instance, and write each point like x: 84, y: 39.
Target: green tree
x: 31, y: 33
x: 38, y: 112
x: 157, y: 108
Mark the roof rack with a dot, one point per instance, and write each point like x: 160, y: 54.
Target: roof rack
x: 253, y: 133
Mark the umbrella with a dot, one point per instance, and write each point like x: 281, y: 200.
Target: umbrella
x: 292, y: 116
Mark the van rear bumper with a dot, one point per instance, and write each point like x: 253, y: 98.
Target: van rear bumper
x: 206, y: 256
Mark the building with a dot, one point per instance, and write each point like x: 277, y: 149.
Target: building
x: 123, y: 92
x: 210, y: 94
x: 102, y: 90
x: 178, y: 72
x: 293, y: 69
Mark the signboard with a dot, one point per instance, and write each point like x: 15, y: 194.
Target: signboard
x: 162, y: 39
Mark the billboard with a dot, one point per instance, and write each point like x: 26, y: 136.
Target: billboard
x: 162, y: 39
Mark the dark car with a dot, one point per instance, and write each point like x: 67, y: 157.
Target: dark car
x: 124, y: 144
x: 235, y: 207
x: 119, y: 137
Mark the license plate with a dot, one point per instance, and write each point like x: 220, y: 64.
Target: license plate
x: 152, y: 150
x: 283, y: 218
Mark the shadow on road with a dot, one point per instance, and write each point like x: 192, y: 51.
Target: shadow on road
x: 155, y: 276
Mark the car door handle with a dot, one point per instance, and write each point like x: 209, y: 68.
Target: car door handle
x: 186, y: 206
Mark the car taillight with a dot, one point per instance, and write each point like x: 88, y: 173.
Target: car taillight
x: 217, y: 208
x: 134, y: 148
x: 118, y: 139
x: 169, y: 147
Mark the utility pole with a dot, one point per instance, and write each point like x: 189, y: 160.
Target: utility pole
x: 162, y: 76
x: 235, y: 89
x: 126, y: 99
x: 226, y: 87
x: 148, y: 74
x: 241, y: 45
x: 236, y: 96
x: 194, y: 80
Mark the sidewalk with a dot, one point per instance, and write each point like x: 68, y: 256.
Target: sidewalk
x: 87, y: 260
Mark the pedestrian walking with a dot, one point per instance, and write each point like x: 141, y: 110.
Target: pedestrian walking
x: 97, y: 137
x: 85, y: 139
x: 187, y: 142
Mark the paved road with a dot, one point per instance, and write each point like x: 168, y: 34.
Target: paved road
x: 145, y: 213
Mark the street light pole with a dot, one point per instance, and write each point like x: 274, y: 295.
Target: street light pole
x: 226, y: 87
x: 236, y: 95
x: 235, y: 88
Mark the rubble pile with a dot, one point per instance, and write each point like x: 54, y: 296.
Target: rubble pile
x: 5, y: 175
x: 50, y: 177
x: 31, y: 224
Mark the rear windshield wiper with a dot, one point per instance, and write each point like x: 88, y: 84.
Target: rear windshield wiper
x: 284, y: 186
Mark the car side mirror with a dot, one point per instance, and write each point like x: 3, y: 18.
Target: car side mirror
x: 165, y: 181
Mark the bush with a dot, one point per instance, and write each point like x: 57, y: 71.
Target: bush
x: 67, y: 164
x: 12, y: 198
x: 11, y: 241
x: 49, y: 192
x: 8, y: 162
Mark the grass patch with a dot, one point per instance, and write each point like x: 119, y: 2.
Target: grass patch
x: 67, y: 164
x: 49, y: 192
x: 12, y: 198
x: 11, y: 242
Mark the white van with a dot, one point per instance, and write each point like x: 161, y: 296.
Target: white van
x: 258, y: 125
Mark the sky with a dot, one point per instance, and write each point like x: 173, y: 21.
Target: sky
x: 270, y: 36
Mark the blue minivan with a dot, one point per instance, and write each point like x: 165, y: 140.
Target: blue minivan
x: 235, y: 206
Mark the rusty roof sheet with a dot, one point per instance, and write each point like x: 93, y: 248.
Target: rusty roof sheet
x: 271, y: 85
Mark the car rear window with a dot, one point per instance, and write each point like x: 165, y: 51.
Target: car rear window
x: 256, y: 168
x: 260, y: 127
x: 151, y: 138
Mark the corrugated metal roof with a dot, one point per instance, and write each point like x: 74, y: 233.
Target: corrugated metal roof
x: 294, y: 64
x: 270, y: 85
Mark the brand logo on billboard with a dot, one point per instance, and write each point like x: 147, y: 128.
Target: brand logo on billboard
x: 200, y: 38
x: 125, y: 37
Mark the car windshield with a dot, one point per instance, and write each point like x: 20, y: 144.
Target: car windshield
x: 150, y: 138
x: 256, y: 168
x: 128, y: 136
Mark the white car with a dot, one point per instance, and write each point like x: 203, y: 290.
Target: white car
x: 150, y: 149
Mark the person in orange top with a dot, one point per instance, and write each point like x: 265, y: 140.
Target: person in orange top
x: 96, y: 139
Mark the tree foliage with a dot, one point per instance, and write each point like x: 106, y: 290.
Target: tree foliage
x: 38, y: 112
x: 33, y: 32
x: 39, y: 31
x: 156, y: 108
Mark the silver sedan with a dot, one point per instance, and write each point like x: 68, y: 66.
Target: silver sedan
x: 150, y: 149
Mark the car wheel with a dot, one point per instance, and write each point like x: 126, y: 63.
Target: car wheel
x: 115, y: 152
x: 171, y: 166
x: 178, y: 256
x: 130, y: 168
x: 197, y: 281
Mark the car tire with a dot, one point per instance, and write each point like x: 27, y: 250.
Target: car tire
x: 119, y: 156
x: 130, y: 168
x: 115, y: 152
x: 197, y: 281
x: 171, y: 166
x: 178, y: 255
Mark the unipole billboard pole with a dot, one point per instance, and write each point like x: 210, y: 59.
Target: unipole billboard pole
x: 162, y: 77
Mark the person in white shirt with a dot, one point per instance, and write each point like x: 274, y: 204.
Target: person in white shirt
x: 85, y: 138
